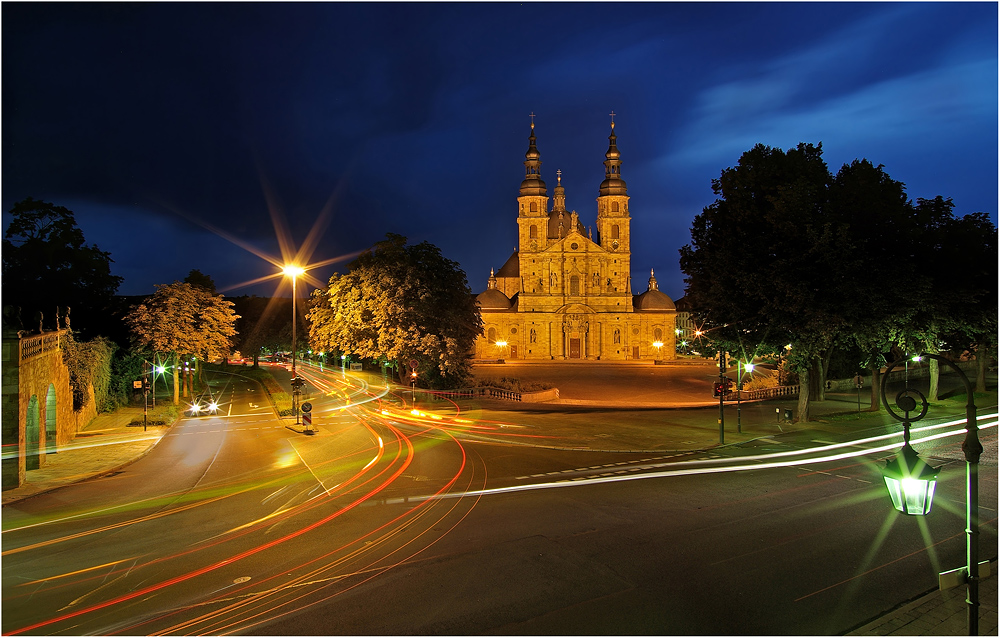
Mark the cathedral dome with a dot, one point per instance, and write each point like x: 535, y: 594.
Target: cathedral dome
x: 653, y: 300
x: 493, y: 300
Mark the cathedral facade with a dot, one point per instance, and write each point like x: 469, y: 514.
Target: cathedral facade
x: 566, y: 292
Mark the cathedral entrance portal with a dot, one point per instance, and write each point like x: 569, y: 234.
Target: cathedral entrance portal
x: 574, y: 348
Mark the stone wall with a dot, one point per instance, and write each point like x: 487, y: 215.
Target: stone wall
x: 37, y: 404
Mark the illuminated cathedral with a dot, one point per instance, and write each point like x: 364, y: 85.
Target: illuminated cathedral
x: 566, y: 292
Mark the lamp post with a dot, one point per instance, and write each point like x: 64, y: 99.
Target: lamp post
x: 910, y: 481
x: 740, y: 369
x: 657, y: 345
x: 294, y: 272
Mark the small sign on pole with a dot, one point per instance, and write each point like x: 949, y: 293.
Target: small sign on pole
x: 137, y: 385
x: 307, y: 407
x: 307, y: 418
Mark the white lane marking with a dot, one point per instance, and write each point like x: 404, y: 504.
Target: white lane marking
x: 292, y: 445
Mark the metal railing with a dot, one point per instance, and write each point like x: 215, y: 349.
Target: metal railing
x: 38, y: 345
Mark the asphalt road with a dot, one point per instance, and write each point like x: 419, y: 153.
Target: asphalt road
x: 390, y: 522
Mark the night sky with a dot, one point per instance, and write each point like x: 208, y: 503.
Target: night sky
x: 165, y: 127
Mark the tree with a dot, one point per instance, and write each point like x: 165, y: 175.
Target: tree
x: 46, y: 263
x: 957, y: 262
x: 874, y: 264
x: 185, y: 320
x: 400, y: 302
x: 760, y: 261
x: 200, y: 279
x: 265, y: 322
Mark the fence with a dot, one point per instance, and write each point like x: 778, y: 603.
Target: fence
x: 39, y: 344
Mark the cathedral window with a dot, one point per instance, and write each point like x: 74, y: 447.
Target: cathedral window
x: 574, y: 285
x: 658, y: 334
x: 533, y: 232
x: 614, y: 208
x: 533, y: 207
x: 491, y: 336
x: 614, y: 231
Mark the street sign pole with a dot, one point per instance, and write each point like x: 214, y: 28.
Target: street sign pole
x: 722, y: 397
x: 307, y: 418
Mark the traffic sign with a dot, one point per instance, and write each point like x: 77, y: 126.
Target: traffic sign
x: 307, y: 419
x: 307, y: 407
x: 137, y: 385
x: 858, y: 382
x: 414, y: 363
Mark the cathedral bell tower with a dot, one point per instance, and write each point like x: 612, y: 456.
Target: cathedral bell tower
x: 532, y: 201
x: 612, y: 209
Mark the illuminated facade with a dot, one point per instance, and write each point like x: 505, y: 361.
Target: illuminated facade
x: 566, y: 291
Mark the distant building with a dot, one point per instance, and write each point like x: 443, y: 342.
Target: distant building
x: 566, y: 292
x: 685, y: 321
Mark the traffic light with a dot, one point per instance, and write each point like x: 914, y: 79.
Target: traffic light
x: 298, y: 383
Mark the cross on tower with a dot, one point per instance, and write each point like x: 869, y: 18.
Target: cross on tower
x: 612, y: 118
x: 532, y: 116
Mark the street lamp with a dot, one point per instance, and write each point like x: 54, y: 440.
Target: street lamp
x: 657, y: 345
x: 294, y: 272
x: 910, y: 481
x: 740, y: 369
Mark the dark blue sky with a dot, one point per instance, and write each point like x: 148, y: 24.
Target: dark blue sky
x: 413, y: 118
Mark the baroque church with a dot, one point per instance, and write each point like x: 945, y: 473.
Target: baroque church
x: 566, y: 292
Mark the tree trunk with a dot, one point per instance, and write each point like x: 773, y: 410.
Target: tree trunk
x: 819, y: 383
x: 876, y: 402
x: 803, y: 408
x: 935, y: 377
x: 177, y: 385
x: 933, y: 371
x: 981, y: 369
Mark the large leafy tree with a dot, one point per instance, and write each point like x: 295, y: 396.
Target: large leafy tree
x: 786, y: 254
x: 759, y: 261
x: 399, y: 302
x: 955, y: 296
x: 46, y: 263
x: 873, y: 267
x: 185, y: 320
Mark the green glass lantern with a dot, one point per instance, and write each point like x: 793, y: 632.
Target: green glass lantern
x: 910, y: 482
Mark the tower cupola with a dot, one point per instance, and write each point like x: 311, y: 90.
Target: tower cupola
x: 559, y: 203
x: 532, y: 184
x: 613, y: 183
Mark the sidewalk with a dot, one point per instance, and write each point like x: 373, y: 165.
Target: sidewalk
x: 109, y: 443
x: 939, y: 613
x: 104, y: 446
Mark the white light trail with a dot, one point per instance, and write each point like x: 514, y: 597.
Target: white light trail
x: 716, y: 470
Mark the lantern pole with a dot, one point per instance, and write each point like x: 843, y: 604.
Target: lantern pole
x: 973, y: 449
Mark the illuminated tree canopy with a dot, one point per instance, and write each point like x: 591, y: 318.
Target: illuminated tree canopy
x: 397, y: 303
x: 184, y: 319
